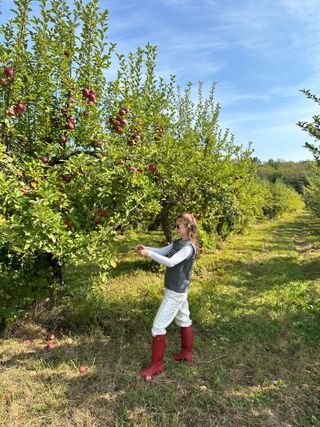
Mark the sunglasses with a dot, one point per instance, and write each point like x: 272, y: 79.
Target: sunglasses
x: 178, y: 226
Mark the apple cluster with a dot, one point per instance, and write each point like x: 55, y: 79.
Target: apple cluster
x: 152, y: 168
x: 8, y: 75
x: 97, y: 219
x: 159, y: 133
x: 119, y: 123
x: 101, y: 214
x: 69, y: 125
x: 90, y: 94
x: 20, y: 107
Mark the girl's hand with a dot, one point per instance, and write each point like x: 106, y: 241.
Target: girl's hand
x: 144, y: 252
x: 140, y: 248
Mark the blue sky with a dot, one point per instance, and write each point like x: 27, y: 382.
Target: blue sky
x: 259, y: 53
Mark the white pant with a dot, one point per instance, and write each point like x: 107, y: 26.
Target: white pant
x: 174, y: 306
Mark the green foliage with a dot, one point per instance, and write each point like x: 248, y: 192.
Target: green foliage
x: 312, y: 193
x: 312, y: 128
x: 280, y: 199
x: 295, y: 174
x: 84, y: 159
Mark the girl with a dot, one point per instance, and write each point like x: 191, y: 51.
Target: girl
x: 178, y: 257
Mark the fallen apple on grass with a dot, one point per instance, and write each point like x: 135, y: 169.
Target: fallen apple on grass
x: 49, y: 345
x: 83, y: 369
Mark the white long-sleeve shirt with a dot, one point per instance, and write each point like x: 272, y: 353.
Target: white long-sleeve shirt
x: 158, y: 255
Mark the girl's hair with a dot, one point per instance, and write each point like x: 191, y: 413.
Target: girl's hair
x: 191, y: 222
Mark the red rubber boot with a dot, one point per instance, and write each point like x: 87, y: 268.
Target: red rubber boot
x: 186, y: 345
x: 158, y: 349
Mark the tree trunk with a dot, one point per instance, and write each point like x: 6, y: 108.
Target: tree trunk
x: 165, y: 220
x: 56, y: 266
x: 2, y: 326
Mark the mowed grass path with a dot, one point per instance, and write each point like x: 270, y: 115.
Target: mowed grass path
x: 255, y: 305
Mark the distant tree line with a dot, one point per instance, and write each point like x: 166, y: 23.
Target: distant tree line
x: 294, y: 174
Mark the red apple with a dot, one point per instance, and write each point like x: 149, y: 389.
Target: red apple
x: 102, y: 212
x: 133, y: 169
x: 93, y: 92
x: 70, y: 125
x: 97, y: 219
x: 45, y: 159
x: 152, y: 168
x: 83, y: 369
x: 123, y: 122
x: 71, y: 99
x: 63, y: 139
x: 90, y: 103
x: 67, y: 178
x: 130, y: 142
x: 21, y: 107
x: 72, y: 118
x: 3, y: 81
x: 64, y: 110
x: 8, y: 71
x: 68, y: 224
x: 27, y: 341
x: 122, y: 111
x: 118, y: 129
x: 92, y: 97
x: 49, y: 345
x: 51, y: 337
x: 85, y: 92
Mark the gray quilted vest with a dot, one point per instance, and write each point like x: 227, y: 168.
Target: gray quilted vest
x: 178, y: 278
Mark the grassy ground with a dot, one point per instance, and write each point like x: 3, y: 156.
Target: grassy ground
x: 255, y: 309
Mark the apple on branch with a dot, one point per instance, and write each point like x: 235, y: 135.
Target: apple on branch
x: 45, y: 160
x: 85, y: 92
x: 8, y: 71
x: 20, y: 107
x: 63, y: 139
x: 152, y: 168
